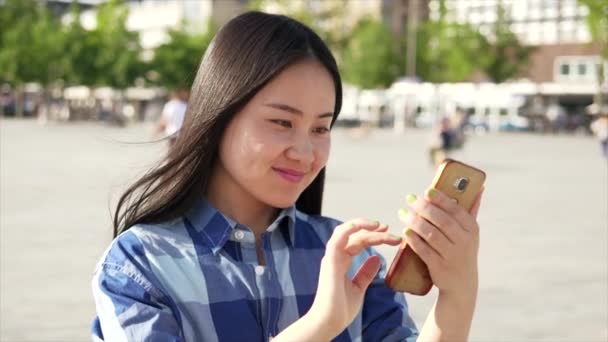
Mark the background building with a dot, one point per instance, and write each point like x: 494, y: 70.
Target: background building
x: 557, y: 29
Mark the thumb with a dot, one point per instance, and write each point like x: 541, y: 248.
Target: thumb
x: 367, y: 272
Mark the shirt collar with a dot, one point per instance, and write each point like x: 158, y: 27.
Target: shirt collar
x: 286, y: 223
x: 217, y: 227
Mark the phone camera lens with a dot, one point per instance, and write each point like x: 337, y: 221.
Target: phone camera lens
x: 461, y: 184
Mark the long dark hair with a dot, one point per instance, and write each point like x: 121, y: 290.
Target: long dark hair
x: 243, y: 57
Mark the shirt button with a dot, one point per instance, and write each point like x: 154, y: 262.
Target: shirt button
x: 259, y: 270
x: 239, y: 235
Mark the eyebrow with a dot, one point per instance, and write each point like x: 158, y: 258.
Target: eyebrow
x: 290, y: 109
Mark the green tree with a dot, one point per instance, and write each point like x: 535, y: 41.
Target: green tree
x: 34, y: 47
x: 448, y: 52
x: 597, y: 22
x: 81, y: 50
x: 506, y: 56
x: 118, y: 62
x: 31, y: 43
x: 175, y: 62
x: 31, y: 47
x: 370, y: 59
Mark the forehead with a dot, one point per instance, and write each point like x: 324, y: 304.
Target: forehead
x: 306, y: 85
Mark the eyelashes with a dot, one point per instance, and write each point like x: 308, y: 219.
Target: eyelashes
x: 321, y: 130
x: 288, y: 124
x: 283, y: 123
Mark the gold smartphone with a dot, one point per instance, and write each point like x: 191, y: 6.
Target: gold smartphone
x: 462, y: 182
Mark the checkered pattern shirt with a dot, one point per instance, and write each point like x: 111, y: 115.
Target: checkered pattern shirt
x: 197, y: 278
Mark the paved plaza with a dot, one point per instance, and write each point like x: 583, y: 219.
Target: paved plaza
x: 544, y: 222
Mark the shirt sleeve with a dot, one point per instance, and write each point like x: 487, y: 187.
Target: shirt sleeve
x: 385, y: 313
x: 129, y: 307
x: 167, y: 112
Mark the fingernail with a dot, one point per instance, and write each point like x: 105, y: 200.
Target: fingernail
x: 402, y: 213
x: 396, y: 237
x: 431, y: 193
x: 377, y: 222
x: 408, y: 232
x: 411, y: 198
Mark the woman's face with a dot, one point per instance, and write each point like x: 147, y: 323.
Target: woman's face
x: 277, y: 144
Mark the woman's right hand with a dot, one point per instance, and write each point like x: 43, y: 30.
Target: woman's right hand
x: 338, y: 298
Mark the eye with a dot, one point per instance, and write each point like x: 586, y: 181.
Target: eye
x: 321, y: 130
x: 283, y: 123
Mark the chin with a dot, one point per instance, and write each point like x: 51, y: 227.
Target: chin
x: 281, y: 201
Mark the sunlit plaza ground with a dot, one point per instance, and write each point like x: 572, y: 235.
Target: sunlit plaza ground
x: 544, y: 220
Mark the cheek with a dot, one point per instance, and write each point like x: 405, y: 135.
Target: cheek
x: 248, y: 153
x: 234, y: 151
x: 322, y: 149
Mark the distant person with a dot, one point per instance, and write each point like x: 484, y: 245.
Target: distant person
x: 442, y: 140
x: 599, y: 127
x: 224, y: 240
x: 458, y: 123
x: 172, y: 116
x: 7, y: 101
x: 557, y: 118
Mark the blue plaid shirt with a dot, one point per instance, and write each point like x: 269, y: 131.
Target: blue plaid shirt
x: 197, y: 278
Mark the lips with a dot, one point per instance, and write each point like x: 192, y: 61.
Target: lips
x: 290, y: 175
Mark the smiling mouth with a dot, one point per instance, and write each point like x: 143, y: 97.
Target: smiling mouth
x: 290, y: 175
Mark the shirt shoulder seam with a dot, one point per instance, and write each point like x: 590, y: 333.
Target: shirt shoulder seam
x: 137, y: 278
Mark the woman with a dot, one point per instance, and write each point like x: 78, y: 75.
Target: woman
x: 210, y: 245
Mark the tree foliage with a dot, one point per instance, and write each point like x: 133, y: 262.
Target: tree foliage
x: 118, y: 61
x: 448, y: 52
x: 31, y: 43
x: 506, y: 56
x: 370, y: 59
x: 35, y: 47
x: 597, y: 22
x: 175, y: 62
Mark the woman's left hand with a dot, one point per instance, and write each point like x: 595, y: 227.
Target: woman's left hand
x: 446, y: 237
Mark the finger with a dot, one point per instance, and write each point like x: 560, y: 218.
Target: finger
x: 381, y: 228
x: 427, y: 230
x: 477, y: 204
x: 443, y: 201
x: 403, y: 215
x: 359, y: 241
x: 367, y: 272
x: 432, y: 235
x: 422, y: 249
x: 438, y: 217
x: 339, y: 238
x: 451, y: 206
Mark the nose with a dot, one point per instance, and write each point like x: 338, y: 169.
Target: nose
x: 301, y: 150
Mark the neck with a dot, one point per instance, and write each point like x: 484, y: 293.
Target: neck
x: 232, y: 200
